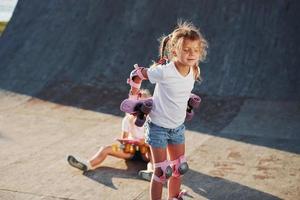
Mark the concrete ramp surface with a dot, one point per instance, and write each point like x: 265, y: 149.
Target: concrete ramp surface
x: 63, y: 70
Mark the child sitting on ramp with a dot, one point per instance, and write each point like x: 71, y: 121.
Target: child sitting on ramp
x: 125, y: 150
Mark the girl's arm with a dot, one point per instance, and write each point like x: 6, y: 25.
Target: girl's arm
x: 145, y: 72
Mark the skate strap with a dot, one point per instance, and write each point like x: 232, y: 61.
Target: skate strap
x: 176, y: 163
x: 133, y: 84
x: 163, y: 165
x: 135, y: 96
x: 139, y: 71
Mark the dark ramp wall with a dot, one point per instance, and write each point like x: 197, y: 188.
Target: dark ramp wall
x: 80, y: 52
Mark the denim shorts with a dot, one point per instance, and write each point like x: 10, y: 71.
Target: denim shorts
x: 160, y: 137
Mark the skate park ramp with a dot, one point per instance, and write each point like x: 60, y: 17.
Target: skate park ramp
x: 82, y: 57
x: 78, y: 55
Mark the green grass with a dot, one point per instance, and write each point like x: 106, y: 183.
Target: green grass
x: 2, y: 26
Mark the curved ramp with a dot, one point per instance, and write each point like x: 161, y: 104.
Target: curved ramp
x: 82, y: 56
x: 54, y: 49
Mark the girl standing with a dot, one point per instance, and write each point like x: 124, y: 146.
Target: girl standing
x: 174, y: 76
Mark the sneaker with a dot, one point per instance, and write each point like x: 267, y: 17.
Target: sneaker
x: 146, y: 175
x: 77, y: 164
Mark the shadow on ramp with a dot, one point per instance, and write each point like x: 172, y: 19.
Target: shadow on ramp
x: 214, y: 188
x: 272, y: 124
x: 104, y: 175
x: 221, y: 189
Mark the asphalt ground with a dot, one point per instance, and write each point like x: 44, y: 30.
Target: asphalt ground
x: 36, y: 136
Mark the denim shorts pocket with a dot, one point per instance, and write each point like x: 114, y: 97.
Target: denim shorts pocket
x: 177, y: 136
x: 156, y: 136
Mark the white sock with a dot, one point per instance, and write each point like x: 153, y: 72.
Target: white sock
x: 149, y: 166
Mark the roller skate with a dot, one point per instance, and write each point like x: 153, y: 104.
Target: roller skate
x: 141, y: 108
x: 128, y: 145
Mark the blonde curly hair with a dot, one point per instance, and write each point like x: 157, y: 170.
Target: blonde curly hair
x: 173, y: 41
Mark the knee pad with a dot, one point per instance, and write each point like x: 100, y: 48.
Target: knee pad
x: 180, y: 166
x: 166, y: 169
x: 137, y: 72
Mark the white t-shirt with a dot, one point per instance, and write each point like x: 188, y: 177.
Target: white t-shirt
x: 171, y: 94
x: 134, y: 131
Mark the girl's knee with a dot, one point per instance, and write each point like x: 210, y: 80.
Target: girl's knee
x: 106, y: 149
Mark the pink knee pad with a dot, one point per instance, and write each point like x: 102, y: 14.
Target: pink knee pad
x: 179, y: 166
x: 167, y: 171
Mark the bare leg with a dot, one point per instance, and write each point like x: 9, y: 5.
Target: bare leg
x: 175, y: 151
x: 147, y: 173
x: 100, y: 156
x: 158, y: 155
x: 147, y: 157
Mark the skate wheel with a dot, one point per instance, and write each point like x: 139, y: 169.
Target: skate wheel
x: 132, y: 149
x: 115, y: 147
x: 127, y: 148
x: 140, y: 121
x: 147, y: 107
